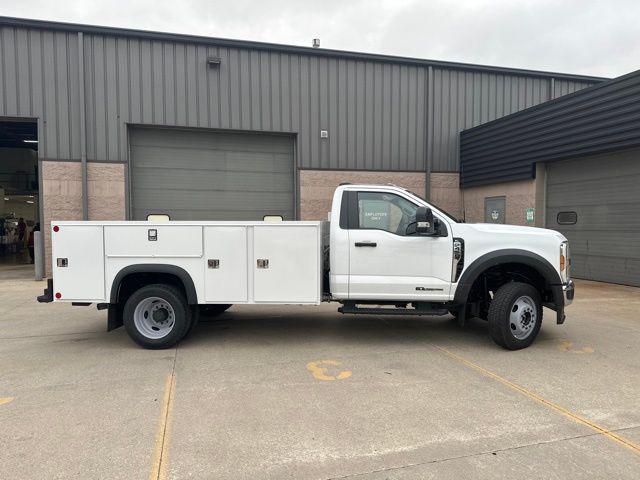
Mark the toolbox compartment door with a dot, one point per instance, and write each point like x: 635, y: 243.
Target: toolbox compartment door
x: 226, y: 264
x: 153, y: 241
x: 286, y: 263
x: 81, y: 247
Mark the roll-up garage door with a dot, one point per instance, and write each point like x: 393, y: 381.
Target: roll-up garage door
x: 204, y: 175
x: 595, y: 203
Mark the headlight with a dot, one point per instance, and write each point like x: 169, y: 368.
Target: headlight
x: 565, y: 262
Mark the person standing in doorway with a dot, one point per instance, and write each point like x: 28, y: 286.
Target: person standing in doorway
x: 36, y: 228
x: 22, y: 230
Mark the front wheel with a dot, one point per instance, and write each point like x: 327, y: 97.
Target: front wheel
x: 515, y: 315
x: 157, y: 316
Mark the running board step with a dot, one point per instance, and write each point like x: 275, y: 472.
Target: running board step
x: 392, y: 311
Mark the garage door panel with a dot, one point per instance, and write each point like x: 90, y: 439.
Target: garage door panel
x: 585, y: 168
x: 198, y: 215
x: 599, y: 243
x: 218, y: 160
x: 191, y: 139
x: 205, y: 175
x: 597, y: 217
x: 595, y: 191
x: 221, y: 180
x: 604, y: 191
x: 606, y: 269
x: 218, y: 200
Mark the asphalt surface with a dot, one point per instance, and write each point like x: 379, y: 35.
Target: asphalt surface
x: 307, y: 393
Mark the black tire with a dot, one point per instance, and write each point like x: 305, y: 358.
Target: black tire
x: 523, y: 300
x: 214, y: 310
x: 181, y: 315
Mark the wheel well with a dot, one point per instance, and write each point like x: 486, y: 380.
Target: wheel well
x: 134, y: 281
x: 491, y: 279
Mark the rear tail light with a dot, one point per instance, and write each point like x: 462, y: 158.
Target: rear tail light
x: 56, y: 228
x: 58, y: 295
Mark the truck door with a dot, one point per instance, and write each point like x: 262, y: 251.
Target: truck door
x: 387, y: 260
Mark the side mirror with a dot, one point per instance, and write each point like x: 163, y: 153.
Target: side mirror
x: 424, y: 221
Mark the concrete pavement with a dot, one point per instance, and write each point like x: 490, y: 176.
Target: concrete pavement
x: 307, y: 393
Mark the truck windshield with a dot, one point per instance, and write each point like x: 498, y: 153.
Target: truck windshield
x: 451, y: 217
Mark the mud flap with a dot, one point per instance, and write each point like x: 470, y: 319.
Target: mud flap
x: 114, y: 317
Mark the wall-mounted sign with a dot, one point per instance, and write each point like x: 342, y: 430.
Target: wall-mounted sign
x: 530, y: 214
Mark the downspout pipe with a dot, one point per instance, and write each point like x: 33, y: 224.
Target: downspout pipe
x: 83, y: 128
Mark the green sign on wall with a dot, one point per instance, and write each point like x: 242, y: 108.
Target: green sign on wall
x: 530, y: 214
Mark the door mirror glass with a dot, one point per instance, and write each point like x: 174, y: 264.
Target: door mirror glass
x: 424, y: 221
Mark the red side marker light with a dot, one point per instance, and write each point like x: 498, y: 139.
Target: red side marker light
x: 58, y: 295
x: 56, y: 228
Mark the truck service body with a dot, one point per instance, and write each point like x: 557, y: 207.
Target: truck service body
x: 385, y: 250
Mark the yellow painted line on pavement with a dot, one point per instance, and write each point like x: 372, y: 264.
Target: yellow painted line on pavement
x: 547, y: 403
x: 567, y: 346
x: 4, y: 400
x: 160, y: 457
x: 319, y: 371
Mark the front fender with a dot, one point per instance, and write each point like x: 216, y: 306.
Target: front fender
x: 552, y: 278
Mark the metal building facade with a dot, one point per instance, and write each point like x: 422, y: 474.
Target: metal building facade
x: 381, y: 113
x: 599, y: 119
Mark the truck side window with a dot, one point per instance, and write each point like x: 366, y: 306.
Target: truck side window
x: 385, y: 211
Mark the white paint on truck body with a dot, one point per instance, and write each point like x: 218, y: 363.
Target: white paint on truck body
x: 400, y: 267
x: 98, y: 251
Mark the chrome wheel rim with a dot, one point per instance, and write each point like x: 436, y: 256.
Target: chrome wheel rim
x: 523, y: 317
x: 154, y: 317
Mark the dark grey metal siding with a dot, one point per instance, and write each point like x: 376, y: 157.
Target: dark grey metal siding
x: 604, y: 191
x: 381, y: 112
x: 601, y: 118
x: 204, y: 175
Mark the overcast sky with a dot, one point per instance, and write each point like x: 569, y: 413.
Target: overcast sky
x: 575, y: 36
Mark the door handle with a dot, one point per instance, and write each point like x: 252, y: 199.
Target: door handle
x: 366, y: 244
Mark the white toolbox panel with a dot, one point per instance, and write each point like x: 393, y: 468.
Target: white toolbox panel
x: 171, y: 241
x: 293, y: 255
x: 83, y: 249
x: 226, y: 279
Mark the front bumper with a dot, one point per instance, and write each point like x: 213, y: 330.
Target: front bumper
x: 568, y: 291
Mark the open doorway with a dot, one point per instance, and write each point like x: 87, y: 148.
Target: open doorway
x: 19, y: 199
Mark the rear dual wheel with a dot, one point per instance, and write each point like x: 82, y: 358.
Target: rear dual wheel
x: 157, y: 316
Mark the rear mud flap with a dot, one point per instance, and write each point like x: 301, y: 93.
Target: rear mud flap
x: 114, y: 317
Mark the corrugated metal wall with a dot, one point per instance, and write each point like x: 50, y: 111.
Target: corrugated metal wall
x: 377, y: 113
x: 603, y: 118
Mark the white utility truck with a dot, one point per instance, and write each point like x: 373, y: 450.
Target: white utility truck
x: 385, y: 251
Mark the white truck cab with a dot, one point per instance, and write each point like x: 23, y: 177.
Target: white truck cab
x: 384, y: 251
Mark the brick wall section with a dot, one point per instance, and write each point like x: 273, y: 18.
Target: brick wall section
x: 106, y: 189
x: 317, y: 186
x: 519, y: 195
x: 61, y: 198
x: 445, y: 192
x: 62, y: 195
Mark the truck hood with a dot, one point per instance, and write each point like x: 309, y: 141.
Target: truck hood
x: 517, y: 229
x: 488, y: 238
